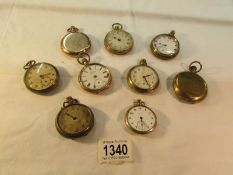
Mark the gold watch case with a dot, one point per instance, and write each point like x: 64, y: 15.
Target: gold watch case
x: 75, y: 42
x: 165, y: 46
x: 93, y: 77
x: 143, y: 78
x: 74, y: 119
x: 140, y: 118
x: 40, y: 77
x: 118, y: 41
x: 188, y: 86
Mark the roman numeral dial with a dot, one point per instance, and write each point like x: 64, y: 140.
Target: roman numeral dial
x: 95, y: 77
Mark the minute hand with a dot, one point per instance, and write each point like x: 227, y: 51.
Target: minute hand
x: 144, y: 77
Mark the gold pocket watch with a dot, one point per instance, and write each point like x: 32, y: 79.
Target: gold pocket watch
x: 40, y: 77
x: 143, y: 78
x: 165, y: 46
x: 75, y: 42
x: 93, y: 77
x: 118, y: 41
x: 140, y: 118
x: 74, y: 119
x: 188, y: 86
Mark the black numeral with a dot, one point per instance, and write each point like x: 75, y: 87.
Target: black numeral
x: 120, y: 149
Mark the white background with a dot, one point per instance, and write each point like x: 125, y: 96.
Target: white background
x: 189, y: 139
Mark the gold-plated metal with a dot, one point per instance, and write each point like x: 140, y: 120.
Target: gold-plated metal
x: 40, y: 77
x: 74, y: 119
x: 140, y: 118
x: 93, y: 77
x: 75, y: 42
x: 143, y: 78
x: 118, y: 41
x: 165, y: 46
x: 188, y: 86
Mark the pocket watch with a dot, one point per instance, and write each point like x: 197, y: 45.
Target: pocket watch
x: 93, y: 77
x: 165, y: 46
x: 188, y: 86
x: 75, y: 42
x: 143, y: 78
x: 140, y: 118
x: 40, y: 77
x: 118, y: 41
x: 74, y: 119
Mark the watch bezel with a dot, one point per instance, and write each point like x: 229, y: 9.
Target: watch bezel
x: 43, y: 90
x: 135, y: 87
x: 114, y: 51
x: 133, y: 129
x: 80, y: 133
x: 96, y: 90
x: 161, y: 55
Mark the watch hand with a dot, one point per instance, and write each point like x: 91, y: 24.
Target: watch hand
x: 147, y: 75
x: 146, y: 81
x: 43, y: 75
x: 141, y: 122
x: 74, y: 118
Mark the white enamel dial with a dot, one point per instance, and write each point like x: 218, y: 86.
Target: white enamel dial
x: 166, y: 44
x: 141, y: 119
x: 144, y: 77
x: 119, y: 41
x: 95, y: 77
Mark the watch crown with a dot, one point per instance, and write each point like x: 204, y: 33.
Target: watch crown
x: 72, y: 29
x: 172, y: 33
x: 139, y: 102
x: 143, y: 61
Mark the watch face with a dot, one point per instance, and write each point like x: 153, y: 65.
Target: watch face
x: 189, y: 87
x: 95, y: 77
x: 165, y: 45
x: 75, y: 120
x: 74, y: 43
x: 41, y: 77
x: 118, y: 41
x: 141, y: 119
x: 143, y: 78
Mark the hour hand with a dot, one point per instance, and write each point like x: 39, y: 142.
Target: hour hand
x: 74, y: 118
x: 146, y: 75
x: 43, y: 75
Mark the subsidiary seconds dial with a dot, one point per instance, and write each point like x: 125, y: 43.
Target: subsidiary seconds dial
x: 93, y: 77
x: 141, y: 118
x: 118, y: 41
